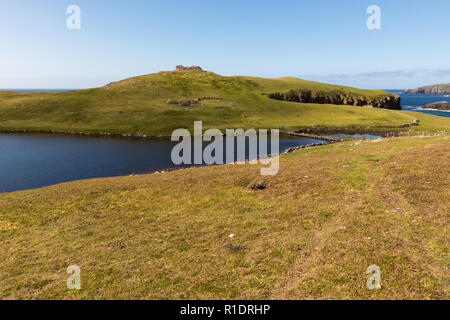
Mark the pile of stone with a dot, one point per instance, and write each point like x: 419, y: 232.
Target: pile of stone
x: 183, y: 68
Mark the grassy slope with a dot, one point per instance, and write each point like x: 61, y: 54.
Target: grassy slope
x: 330, y: 213
x: 137, y: 105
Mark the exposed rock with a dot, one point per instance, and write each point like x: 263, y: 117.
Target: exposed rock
x: 183, y: 68
x: 259, y: 185
x: 234, y: 248
x: 292, y: 149
x: 434, y: 89
x: 443, y: 105
x: 303, y: 96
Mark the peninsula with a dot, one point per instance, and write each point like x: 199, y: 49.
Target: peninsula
x: 433, y: 89
x: 156, y: 104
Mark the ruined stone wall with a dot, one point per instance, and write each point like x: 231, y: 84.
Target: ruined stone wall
x: 183, y: 68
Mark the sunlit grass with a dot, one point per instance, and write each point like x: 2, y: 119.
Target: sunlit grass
x: 331, y: 212
x: 138, y: 106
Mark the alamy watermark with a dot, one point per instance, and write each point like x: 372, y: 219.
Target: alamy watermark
x: 74, y: 280
x: 213, y: 153
x: 374, y: 20
x: 374, y: 281
x: 73, y: 22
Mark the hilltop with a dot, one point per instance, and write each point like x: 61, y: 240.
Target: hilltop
x: 433, y: 89
x: 156, y: 104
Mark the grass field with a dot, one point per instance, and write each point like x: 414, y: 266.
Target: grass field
x: 138, y: 106
x: 331, y: 212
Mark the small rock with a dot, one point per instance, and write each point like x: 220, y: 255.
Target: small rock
x: 261, y: 185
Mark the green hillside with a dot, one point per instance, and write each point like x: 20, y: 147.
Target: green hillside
x: 138, y: 106
x: 331, y: 212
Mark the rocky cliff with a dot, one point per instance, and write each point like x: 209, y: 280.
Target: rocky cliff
x: 434, y: 89
x: 443, y: 105
x: 385, y: 101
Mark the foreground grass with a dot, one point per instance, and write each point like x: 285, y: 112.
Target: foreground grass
x: 138, y: 106
x: 331, y: 212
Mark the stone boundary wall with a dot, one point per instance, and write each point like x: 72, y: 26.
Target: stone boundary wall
x: 187, y: 103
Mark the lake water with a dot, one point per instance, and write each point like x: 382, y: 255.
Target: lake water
x: 33, y: 161
x: 37, y: 160
x: 38, y: 90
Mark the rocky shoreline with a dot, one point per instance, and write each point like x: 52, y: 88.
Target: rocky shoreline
x: 443, y: 105
x: 310, y: 130
x: 87, y: 134
x: 392, y: 102
x: 319, y: 129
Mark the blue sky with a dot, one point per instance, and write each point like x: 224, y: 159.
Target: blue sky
x: 322, y: 40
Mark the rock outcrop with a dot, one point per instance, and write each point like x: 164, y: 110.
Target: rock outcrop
x: 183, y: 68
x: 443, y: 105
x: 434, y: 89
x: 385, y: 102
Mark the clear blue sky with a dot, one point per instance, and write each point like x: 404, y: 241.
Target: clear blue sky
x: 324, y: 40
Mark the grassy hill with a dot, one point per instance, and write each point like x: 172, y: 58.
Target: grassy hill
x: 138, y: 106
x: 331, y: 212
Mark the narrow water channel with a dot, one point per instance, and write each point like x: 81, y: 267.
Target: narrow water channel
x: 38, y: 160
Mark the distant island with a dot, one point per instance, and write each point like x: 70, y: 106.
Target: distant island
x: 443, y: 105
x: 433, y: 89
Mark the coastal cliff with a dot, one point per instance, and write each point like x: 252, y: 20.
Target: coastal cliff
x: 434, y: 89
x: 303, y: 96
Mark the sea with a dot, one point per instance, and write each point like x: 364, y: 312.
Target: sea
x: 415, y: 102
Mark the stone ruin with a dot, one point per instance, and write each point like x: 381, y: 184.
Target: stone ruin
x: 183, y: 68
x: 186, y: 103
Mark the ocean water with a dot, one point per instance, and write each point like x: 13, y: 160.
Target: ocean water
x: 38, y: 90
x: 414, y: 102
